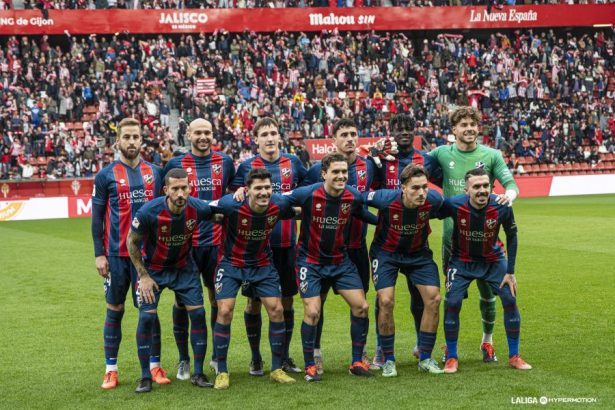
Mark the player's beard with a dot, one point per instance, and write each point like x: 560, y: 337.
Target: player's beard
x: 178, y: 202
x: 128, y: 154
x: 198, y: 144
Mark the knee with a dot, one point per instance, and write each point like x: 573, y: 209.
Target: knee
x: 312, y: 313
x: 386, y: 303
x: 225, y: 313
x: 148, y: 317
x: 277, y: 312
x: 453, y: 304
x: 361, y: 309
x: 433, y: 302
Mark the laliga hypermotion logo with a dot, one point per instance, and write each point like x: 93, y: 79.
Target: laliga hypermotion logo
x: 75, y: 186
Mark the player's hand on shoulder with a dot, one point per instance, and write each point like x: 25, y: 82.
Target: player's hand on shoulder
x: 102, y: 266
x: 240, y: 194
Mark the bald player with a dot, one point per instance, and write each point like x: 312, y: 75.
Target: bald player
x: 209, y: 175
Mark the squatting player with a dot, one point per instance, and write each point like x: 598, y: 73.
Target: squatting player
x: 286, y: 173
x: 120, y: 189
x: 455, y: 160
x: 360, y: 177
x: 400, y: 244
x: 322, y: 259
x: 247, y: 263
x: 209, y: 173
x: 166, y: 226
x: 477, y: 253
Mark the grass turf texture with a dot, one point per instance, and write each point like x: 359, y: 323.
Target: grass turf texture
x: 52, y: 311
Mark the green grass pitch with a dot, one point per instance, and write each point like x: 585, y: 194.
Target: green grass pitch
x: 52, y: 310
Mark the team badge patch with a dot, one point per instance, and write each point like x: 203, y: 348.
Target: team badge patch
x: 148, y: 178
x: 303, y: 286
x: 362, y: 174
x: 217, y: 168
x: 375, y: 278
x: 285, y: 172
x: 491, y: 223
x: 272, y: 220
x: 346, y: 208
x: 423, y: 214
x: 479, y: 164
x: 245, y: 285
x: 218, y: 287
x: 190, y: 223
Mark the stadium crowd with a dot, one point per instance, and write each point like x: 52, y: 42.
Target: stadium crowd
x: 211, y: 4
x: 544, y: 95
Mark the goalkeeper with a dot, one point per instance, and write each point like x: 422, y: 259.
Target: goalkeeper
x: 455, y: 160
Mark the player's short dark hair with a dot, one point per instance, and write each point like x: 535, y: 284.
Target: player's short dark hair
x: 464, y: 112
x: 476, y: 172
x: 257, y: 173
x: 401, y: 122
x: 343, y: 123
x: 411, y: 171
x: 175, y: 173
x: 128, y: 122
x: 328, y: 159
x: 264, y: 122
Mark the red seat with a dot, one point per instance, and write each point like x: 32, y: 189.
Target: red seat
x: 584, y: 166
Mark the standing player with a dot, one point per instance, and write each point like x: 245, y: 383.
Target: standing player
x: 323, y: 261
x: 166, y: 226
x: 360, y: 176
x: 455, y: 160
x: 247, y: 263
x: 286, y: 173
x: 477, y: 253
x: 209, y: 173
x: 120, y: 189
x: 400, y: 244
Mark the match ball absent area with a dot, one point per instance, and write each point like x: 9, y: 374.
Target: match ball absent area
x: 52, y: 311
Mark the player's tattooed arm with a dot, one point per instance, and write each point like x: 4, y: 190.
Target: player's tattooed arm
x: 146, y: 283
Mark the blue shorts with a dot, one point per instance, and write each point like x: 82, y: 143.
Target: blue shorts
x: 206, y: 258
x: 122, y: 274
x: 185, y: 282
x: 313, y: 278
x: 419, y: 268
x: 260, y: 281
x: 284, y: 263
x: 460, y: 274
x: 360, y: 258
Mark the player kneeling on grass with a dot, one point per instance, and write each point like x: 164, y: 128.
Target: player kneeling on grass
x: 400, y: 244
x: 247, y: 263
x: 166, y: 225
x: 477, y: 254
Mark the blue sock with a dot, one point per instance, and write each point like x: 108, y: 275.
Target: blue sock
x: 180, y: 331
x: 144, y: 340
x: 277, y: 335
x: 254, y: 323
x: 198, y: 338
x: 426, y: 343
x: 154, y: 355
x: 213, y: 317
x: 289, y: 323
x: 388, y: 347
x: 321, y: 321
x: 308, y: 337
x: 112, y: 335
x: 451, y: 326
x: 358, y: 334
x: 222, y: 339
x: 512, y: 323
x: 416, y: 308
x: 376, y: 313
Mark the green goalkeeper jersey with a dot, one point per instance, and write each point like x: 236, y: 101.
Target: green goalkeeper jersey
x: 456, y: 163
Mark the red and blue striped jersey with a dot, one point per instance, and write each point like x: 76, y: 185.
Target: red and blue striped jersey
x: 388, y: 174
x: 287, y: 172
x: 323, y: 233
x: 246, y: 233
x: 123, y: 190
x: 475, y: 231
x: 209, y: 177
x: 361, y: 175
x: 400, y: 229
x: 167, y: 237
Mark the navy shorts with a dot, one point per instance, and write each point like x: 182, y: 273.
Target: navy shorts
x: 259, y: 281
x: 460, y: 274
x: 419, y: 268
x: 185, y: 282
x: 284, y: 263
x: 360, y: 258
x: 313, y: 278
x: 122, y: 274
x: 206, y: 258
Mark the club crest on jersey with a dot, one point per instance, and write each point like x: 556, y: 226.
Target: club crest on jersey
x: 479, y: 164
x: 346, y: 208
x: 272, y: 220
x: 135, y: 223
x: 190, y: 223
x: 285, y: 172
x: 148, y: 178
x: 423, y: 214
x: 491, y: 223
x: 463, y: 222
x: 217, y: 168
x: 362, y: 174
